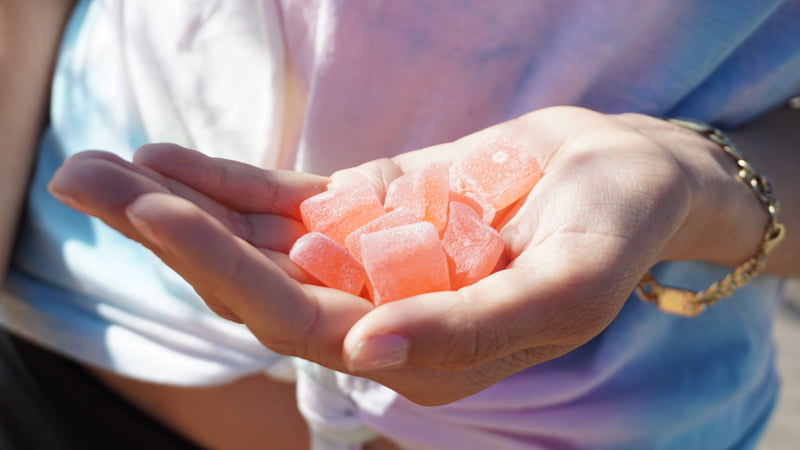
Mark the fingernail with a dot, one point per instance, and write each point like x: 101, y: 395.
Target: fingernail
x: 70, y: 201
x: 144, y: 227
x: 382, y: 351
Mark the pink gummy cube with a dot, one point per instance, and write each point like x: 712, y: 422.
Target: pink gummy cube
x: 340, y: 211
x: 394, y: 218
x: 404, y: 261
x: 328, y: 262
x: 501, y: 171
x: 425, y: 193
x: 473, y: 247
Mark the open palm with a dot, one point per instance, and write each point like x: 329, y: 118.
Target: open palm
x: 613, y: 201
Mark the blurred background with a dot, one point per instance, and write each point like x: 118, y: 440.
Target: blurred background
x: 783, y: 432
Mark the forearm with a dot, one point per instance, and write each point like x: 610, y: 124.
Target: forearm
x: 772, y: 143
x: 29, y: 35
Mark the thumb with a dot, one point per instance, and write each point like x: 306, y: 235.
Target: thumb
x: 452, y: 330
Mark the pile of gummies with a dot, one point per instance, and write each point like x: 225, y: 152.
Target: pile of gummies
x: 432, y: 232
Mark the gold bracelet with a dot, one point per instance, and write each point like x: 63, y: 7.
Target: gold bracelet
x: 688, y: 303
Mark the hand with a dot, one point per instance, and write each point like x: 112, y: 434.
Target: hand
x: 619, y: 194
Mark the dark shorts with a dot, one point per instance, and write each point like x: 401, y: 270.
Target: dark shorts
x: 48, y: 402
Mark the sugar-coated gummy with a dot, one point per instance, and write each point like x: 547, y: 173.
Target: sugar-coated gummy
x: 393, y: 218
x: 433, y: 233
x: 327, y: 261
x: 404, y: 261
x: 473, y: 248
x: 501, y: 171
x: 424, y: 192
x: 340, y: 211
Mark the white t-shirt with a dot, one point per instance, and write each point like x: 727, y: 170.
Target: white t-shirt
x: 327, y: 84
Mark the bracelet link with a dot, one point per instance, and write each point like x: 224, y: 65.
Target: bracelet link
x: 688, y: 303
x: 669, y: 299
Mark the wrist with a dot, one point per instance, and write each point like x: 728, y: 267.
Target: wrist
x: 686, y: 302
x: 725, y: 221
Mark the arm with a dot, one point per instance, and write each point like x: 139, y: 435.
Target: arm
x: 29, y: 35
x: 773, y: 144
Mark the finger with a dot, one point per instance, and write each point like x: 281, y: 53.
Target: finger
x: 382, y: 172
x: 516, y: 310
x: 242, y: 187
x: 379, y: 172
x: 218, y: 305
x: 542, y: 146
x: 102, y: 184
x: 288, y: 317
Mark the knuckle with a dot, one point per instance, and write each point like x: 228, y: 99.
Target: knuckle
x: 239, y: 224
x: 380, y: 172
x: 269, y: 190
x: 474, y: 343
x: 486, y: 375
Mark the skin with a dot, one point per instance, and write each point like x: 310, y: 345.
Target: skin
x: 644, y: 199
x: 29, y: 33
x: 619, y: 194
